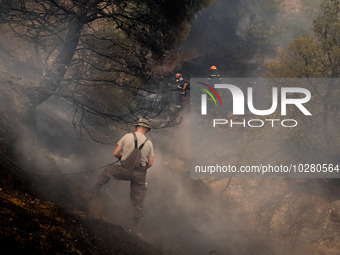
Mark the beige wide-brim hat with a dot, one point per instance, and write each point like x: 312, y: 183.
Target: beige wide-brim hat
x: 143, y: 123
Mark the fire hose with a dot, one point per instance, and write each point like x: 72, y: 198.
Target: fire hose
x: 57, y: 174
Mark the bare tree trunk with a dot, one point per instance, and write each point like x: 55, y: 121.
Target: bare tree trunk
x: 54, y: 76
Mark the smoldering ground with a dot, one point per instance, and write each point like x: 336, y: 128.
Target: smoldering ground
x: 182, y: 215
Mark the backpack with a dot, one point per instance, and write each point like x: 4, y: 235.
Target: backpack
x: 134, y: 159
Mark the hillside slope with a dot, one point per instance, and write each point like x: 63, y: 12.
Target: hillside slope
x: 30, y: 225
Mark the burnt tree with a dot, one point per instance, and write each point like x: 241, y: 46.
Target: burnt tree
x: 97, y: 52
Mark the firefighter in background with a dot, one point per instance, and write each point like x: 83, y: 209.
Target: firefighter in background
x: 183, y: 88
x: 214, y: 76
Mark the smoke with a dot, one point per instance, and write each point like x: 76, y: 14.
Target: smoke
x: 181, y: 215
x: 54, y: 145
x: 184, y: 215
x: 239, y: 44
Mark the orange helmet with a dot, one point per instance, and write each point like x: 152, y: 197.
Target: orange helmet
x: 213, y: 68
x: 178, y: 75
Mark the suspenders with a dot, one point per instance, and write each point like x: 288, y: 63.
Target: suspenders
x: 136, y: 142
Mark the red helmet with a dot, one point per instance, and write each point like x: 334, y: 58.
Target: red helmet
x: 178, y: 75
x: 213, y: 68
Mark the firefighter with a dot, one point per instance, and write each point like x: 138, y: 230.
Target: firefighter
x: 136, y: 153
x: 214, y: 76
x: 183, y: 88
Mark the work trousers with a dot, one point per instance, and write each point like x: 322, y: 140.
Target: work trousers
x: 137, y: 184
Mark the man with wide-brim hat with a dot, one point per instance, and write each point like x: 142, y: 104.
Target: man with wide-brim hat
x: 136, y: 153
x: 143, y: 123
